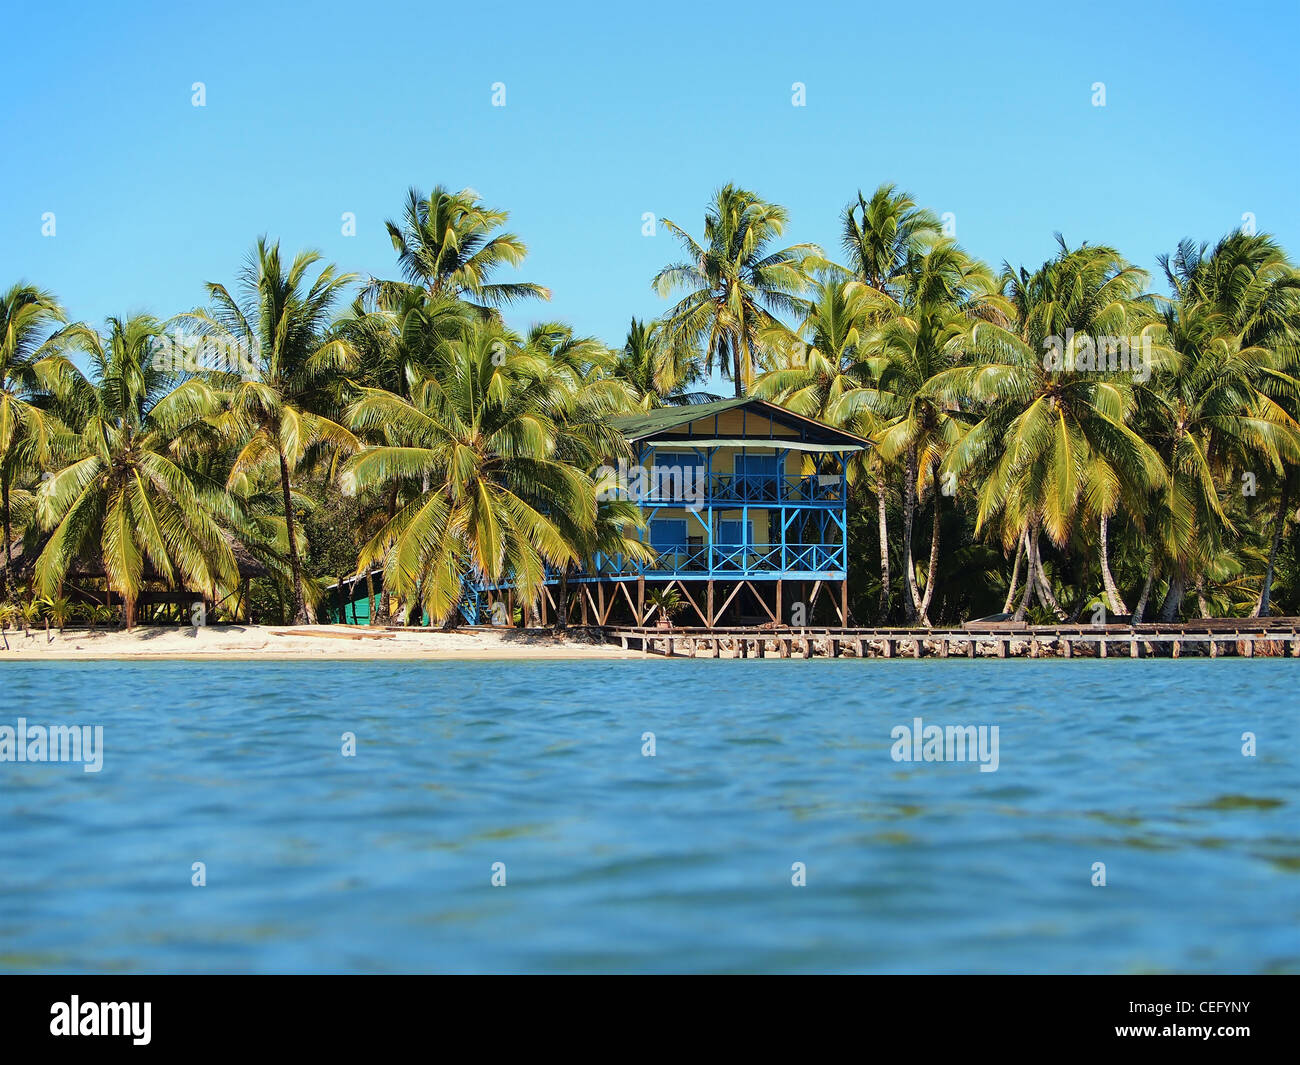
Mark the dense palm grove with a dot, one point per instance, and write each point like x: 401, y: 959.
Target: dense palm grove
x: 323, y: 426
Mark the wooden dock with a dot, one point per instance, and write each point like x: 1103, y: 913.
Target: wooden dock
x: 1215, y: 638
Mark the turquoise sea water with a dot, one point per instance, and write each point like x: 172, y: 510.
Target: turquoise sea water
x: 615, y: 861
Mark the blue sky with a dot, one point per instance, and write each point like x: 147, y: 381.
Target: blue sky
x: 981, y: 110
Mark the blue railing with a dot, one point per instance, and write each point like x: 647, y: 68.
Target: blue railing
x: 744, y: 488
x: 721, y: 560
x: 731, y: 560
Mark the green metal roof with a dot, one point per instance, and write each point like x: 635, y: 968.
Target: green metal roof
x: 662, y: 419
x: 665, y: 419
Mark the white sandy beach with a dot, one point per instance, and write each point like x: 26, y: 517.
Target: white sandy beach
x: 272, y: 642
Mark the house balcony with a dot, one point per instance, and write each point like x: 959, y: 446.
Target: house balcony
x: 729, y: 561
x: 738, y: 489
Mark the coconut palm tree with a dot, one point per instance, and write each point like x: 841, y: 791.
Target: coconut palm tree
x: 281, y: 408
x: 32, y: 336
x: 447, y: 244
x: 943, y: 294
x: 482, y: 428
x: 1223, y: 400
x: 394, y: 331
x: 658, y: 374
x: 1044, y: 423
x: 131, y: 495
x: 881, y: 235
x: 735, y: 284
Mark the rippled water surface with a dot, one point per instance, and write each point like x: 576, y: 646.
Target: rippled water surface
x: 681, y: 862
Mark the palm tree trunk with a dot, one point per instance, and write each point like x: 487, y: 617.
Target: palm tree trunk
x: 295, y: 563
x: 1201, y: 605
x: 370, y: 597
x: 128, y: 611
x: 1112, y: 589
x: 1015, y: 576
x: 933, y: 571
x: 562, y: 603
x: 1173, y: 598
x: 912, y: 600
x: 1045, y: 592
x: 1265, y: 594
x: 4, y: 520
x: 1030, y: 538
x: 1141, y: 607
x: 884, y: 548
x: 385, y: 596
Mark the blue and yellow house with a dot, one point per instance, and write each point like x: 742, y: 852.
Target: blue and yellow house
x: 746, y: 505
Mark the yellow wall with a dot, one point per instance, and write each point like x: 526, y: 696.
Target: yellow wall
x: 724, y: 458
x: 741, y: 423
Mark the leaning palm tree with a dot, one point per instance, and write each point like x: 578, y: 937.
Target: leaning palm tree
x: 32, y: 337
x: 281, y: 407
x: 1043, y: 426
x: 736, y: 286
x: 447, y: 244
x: 132, y: 495
x: 481, y: 429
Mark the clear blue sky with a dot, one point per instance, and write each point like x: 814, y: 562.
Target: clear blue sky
x: 611, y: 111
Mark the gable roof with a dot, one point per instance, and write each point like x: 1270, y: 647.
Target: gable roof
x: 664, y: 420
